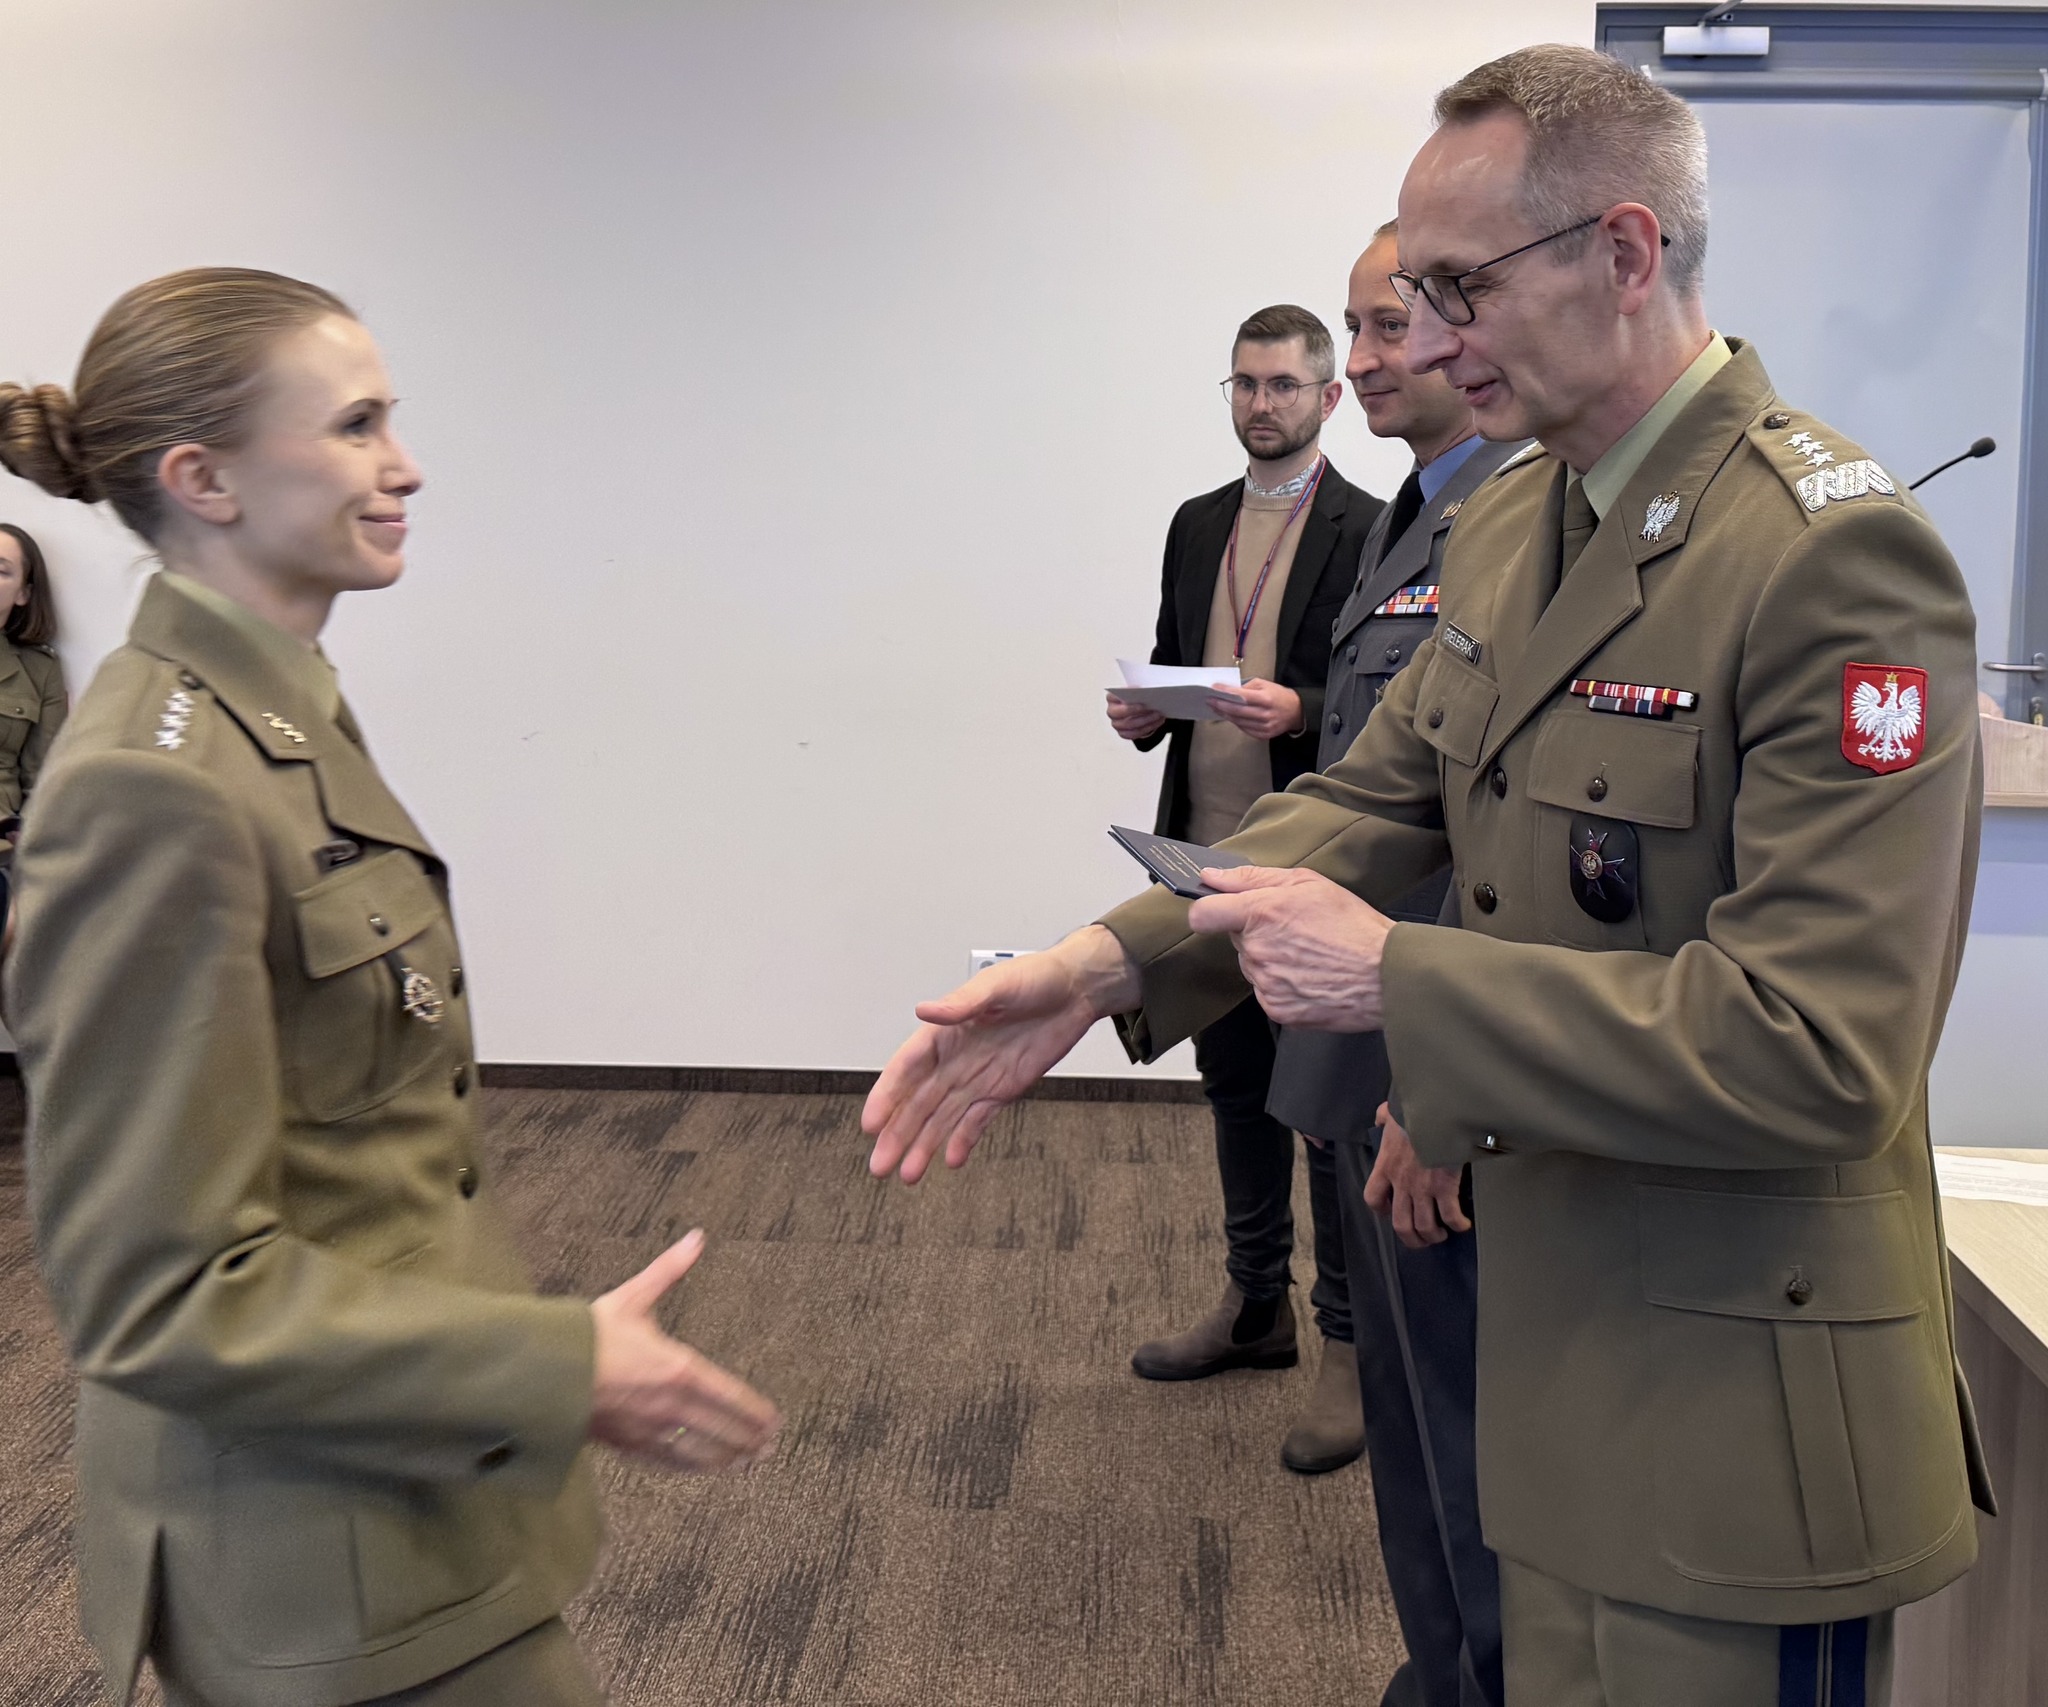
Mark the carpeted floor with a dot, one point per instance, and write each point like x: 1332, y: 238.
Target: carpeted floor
x: 976, y: 1503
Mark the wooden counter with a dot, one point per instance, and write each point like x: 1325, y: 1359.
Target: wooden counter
x: 1983, y: 1641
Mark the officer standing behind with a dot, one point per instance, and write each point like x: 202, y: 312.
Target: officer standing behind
x: 1255, y: 572
x: 1413, y: 1310
x: 1697, y: 735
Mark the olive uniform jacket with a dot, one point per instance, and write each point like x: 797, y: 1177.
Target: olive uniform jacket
x: 1324, y: 1083
x: 32, y: 707
x: 1716, y: 1370
x: 1325, y: 559
x: 329, y: 1442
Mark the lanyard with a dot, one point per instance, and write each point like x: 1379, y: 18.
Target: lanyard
x: 1243, y: 624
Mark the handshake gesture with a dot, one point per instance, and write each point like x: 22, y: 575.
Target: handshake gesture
x: 1310, y: 950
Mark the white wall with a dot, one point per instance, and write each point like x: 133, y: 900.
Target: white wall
x: 803, y: 390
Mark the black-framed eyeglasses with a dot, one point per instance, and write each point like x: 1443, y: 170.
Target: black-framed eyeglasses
x: 1445, y: 292
x: 1241, y: 388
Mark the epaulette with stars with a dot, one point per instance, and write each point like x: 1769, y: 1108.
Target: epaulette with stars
x: 1819, y: 465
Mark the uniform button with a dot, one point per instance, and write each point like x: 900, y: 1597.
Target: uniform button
x: 462, y: 1080
x: 465, y: 1181
x: 498, y: 1456
x: 186, y: 679
x: 1597, y: 788
x: 1776, y: 419
x: 455, y: 980
x: 1799, y: 1289
x: 1484, y: 898
x: 1336, y: 721
x: 1492, y: 1143
x: 1436, y: 717
x: 380, y: 924
x: 1393, y: 654
x: 1499, y: 779
x: 1351, y: 653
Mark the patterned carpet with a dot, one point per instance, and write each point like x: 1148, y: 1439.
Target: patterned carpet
x: 976, y: 1503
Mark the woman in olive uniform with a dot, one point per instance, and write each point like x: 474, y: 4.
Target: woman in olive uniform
x: 330, y: 1443
x: 32, y: 699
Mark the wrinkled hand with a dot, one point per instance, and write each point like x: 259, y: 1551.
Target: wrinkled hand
x: 1310, y: 950
x: 1269, y: 710
x: 985, y: 1045
x: 1421, y: 1203
x: 664, y: 1401
x: 1133, y: 722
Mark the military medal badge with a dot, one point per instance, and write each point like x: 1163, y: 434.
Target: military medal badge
x: 1884, y: 716
x: 1605, y: 868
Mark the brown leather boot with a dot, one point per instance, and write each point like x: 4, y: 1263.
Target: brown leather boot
x: 1234, y: 1335
x: 1330, y: 1432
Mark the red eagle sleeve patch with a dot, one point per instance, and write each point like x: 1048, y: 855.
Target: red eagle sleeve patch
x: 1884, y: 715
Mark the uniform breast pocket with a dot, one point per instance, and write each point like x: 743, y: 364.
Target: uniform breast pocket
x: 352, y: 1033
x: 1804, y: 1428
x: 1454, y: 707
x: 1604, y: 787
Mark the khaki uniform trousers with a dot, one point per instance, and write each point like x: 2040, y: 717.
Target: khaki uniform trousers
x: 1566, y: 1647
x: 539, y: 1669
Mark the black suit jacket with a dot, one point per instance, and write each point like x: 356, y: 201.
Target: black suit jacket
x: 1325, y: 565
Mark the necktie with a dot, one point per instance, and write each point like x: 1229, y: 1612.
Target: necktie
x: 1406, y: 507
x: 1579, y: 523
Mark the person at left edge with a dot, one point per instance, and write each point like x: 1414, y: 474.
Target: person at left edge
x: 1256, y: 572
x: 330, y: 1444
x: 32, y: 697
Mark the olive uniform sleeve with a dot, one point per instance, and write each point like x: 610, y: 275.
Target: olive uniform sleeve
x: 1796, y: 1030
x: 142, y: 1006
x: 1373, y: 822
x: 56, y: 706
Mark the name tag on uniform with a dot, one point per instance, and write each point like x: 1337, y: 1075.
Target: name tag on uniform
x: 1460, y: 642
x: 1409, y: 601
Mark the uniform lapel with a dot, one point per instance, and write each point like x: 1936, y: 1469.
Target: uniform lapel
x: 1319, y: 529
x: 1524, y: 588
x: 1406, y: 558
x: 11, y: 667
x: 1604, y: 589
x: 355, y: 798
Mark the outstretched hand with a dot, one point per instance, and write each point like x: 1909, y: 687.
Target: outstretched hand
x: 659, y: 1399
x: 1309, y: 949
x: 985, y: 1045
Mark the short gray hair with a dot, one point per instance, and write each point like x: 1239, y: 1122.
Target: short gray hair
x: 1600, y: 132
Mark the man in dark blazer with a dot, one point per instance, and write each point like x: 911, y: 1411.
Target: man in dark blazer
x: 1255, y: 573
x: 1414, y: 1280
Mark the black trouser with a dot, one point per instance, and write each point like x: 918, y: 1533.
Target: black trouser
x: 1255, y: 1156
x: 1416, y: 1314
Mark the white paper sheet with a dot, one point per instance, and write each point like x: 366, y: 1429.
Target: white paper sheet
x: 1992, y: 1177
x: 1176, y: 690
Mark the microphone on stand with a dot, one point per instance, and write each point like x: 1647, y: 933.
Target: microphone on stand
x: 1983, y: 447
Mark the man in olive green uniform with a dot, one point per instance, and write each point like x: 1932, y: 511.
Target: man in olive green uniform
x: 1696, y: 735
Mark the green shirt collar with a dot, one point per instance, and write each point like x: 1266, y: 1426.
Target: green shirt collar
x: 1606, y: 478
x: 304, y: 666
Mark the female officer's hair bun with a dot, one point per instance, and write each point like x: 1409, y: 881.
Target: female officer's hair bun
x: 38, y: 441
x: 176, y: 361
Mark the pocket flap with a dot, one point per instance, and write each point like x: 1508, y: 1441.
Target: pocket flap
x: 1454, y: 707
x: 355, y: 914
x: 1648, y: 769
x: 1795, y: 1259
